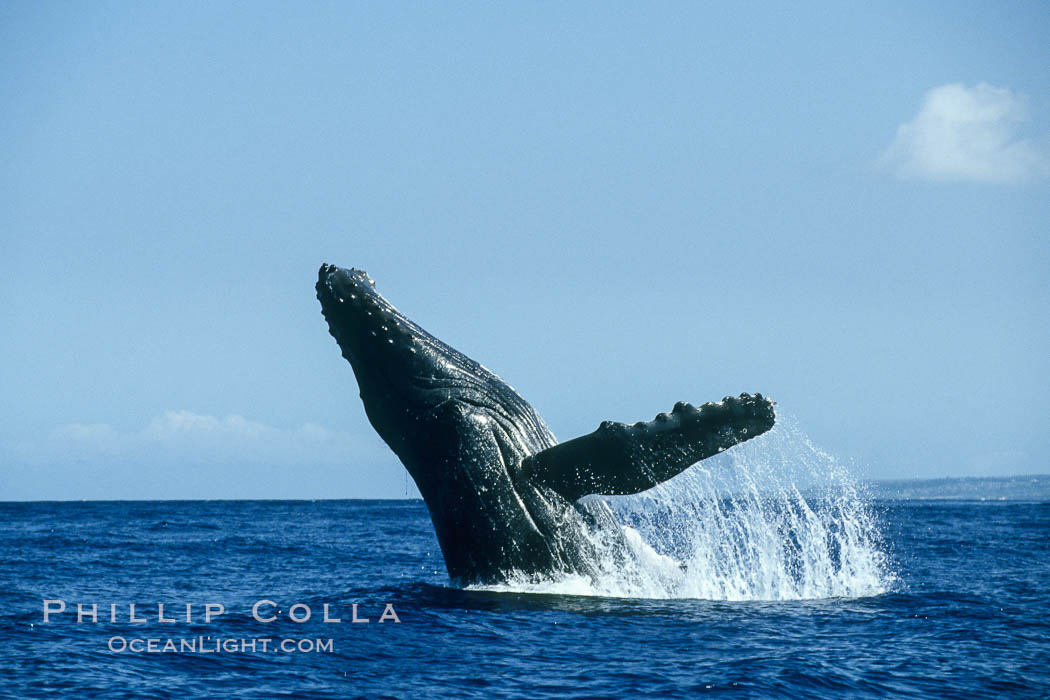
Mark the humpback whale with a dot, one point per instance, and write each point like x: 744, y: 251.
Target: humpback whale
x: 505, y: 497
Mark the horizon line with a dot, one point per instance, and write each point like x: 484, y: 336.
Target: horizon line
x: 861, y: 482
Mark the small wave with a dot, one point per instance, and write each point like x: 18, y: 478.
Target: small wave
x: 772, y: 519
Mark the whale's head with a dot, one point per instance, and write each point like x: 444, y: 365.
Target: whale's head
x: 392, y: 357
x: 379, y: 342
x: 407, y: 377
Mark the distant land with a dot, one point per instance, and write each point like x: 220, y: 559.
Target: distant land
x: 1033, y: 487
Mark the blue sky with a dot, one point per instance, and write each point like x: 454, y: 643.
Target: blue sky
x: 614, y: 207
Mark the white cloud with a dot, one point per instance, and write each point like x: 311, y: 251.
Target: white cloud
x: 201, y: 437
x: 175, y: 424
x: 963, y: 133
x: 182, y: 454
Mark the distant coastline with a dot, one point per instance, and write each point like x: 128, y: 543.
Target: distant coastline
x: 1025, y: 487
x: 1029, y: 487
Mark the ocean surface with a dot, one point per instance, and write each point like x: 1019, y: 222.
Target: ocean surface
x: 773, y: 591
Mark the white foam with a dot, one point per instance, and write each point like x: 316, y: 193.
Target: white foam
x: 775, y: 518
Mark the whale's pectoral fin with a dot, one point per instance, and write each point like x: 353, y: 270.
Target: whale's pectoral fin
x: 619, y: 459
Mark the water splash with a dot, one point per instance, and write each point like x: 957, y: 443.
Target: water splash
x: 775, y: 518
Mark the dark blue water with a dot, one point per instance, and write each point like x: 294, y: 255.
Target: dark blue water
x: 966, y: 615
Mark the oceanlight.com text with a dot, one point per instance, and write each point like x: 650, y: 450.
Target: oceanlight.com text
x: 218, y: 645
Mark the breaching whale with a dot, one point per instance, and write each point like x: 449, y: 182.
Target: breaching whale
x: 503, y: 494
